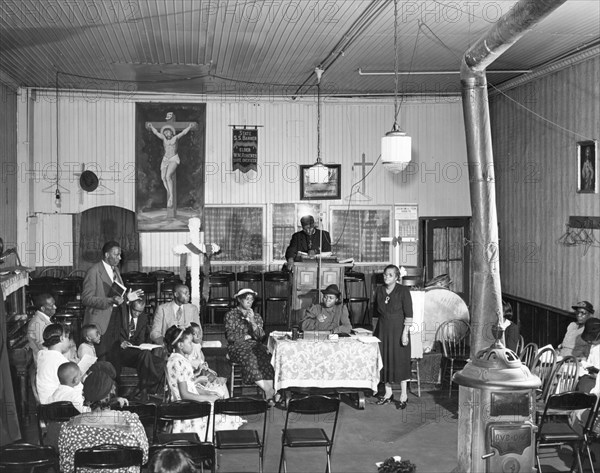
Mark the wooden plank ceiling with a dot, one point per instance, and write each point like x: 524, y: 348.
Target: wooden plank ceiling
x: 269, y: 47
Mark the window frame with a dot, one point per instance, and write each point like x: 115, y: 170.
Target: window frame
x: 344, y: 208
x: 298, y: 215
x: 265, y: 243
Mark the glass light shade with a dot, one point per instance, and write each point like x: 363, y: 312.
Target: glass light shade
x: 318, y: 174
x: 395, y: 151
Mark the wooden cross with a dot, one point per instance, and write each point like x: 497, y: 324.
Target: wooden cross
x: 177, y: 126
x: 363, y: 164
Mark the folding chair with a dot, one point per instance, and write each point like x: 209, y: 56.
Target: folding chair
x: 563, y: 379
x: 243, y: 438
x: 60, y: 411
x: 201, y: 453
x: 108, y: 456
x: 555, y: 430
x: 309, y: 437
x: 146, y: 413
x: 181, y: 410
x: 24, y: 457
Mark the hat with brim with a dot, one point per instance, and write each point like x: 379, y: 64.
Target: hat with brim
x: 167, y: 127
x: 591, y: 330
x: 244, y: 292
x: 584, y: 305
x: 332, y: 289
x: 88, y: 181
x: 97, y: 386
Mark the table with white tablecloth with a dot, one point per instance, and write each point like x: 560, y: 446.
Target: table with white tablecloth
x: 346, y: 363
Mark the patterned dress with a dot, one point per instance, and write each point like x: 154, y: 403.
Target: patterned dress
x: 75, y: 435
x: 179, y: 369
x: 396, y: 358
x: 250, y: 354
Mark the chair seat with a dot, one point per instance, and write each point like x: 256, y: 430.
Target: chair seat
x: 237, y: 439
x: 306, y: 438
x: 559, y: 432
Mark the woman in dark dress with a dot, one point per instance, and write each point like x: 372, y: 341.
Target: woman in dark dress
x: 245, y: 332
x: 394, y: 309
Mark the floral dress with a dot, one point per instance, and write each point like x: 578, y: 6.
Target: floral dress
x: 249, y: 353
x: 74, y: 435
x: 179, y: 369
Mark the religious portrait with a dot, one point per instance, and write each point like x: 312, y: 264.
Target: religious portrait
x: 170, y: 165
x: 587, y: 167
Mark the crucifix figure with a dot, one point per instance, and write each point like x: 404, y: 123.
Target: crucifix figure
x: 169, y: 136
x: 194, y: 249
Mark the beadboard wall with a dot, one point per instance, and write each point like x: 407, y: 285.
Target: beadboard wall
x: 536, y: 171
x: 8, y: 164
x: 98, y: 132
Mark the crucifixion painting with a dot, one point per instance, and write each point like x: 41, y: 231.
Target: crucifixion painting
x: 170, y: 163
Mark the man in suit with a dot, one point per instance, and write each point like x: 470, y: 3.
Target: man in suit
x: 40, y: 320
x: 308, y: 240
x: 103, y: 306
x: 149, y: 367
x: 177, y: 312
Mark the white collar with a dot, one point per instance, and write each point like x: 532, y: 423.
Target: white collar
x: 43, y: 315
x: 109, y: 270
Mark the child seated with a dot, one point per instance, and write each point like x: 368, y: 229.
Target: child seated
x: 205, y: 377
x: 91, y: 336
x: 71, y: 388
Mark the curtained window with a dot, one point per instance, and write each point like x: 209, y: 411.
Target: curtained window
x: 237, y: 230
x: 286, y: 222
x: 357, y: 233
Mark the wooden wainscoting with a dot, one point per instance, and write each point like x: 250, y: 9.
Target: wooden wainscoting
x: 539, y: 323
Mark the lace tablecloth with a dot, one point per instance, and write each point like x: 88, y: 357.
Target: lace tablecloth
x: 347, y: 363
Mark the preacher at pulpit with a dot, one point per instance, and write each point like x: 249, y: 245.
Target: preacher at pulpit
x: 308, y: 240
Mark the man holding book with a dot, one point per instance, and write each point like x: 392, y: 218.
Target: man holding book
x: 103, y: 297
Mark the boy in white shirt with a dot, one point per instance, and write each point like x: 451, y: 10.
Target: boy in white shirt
x: 70, y: 388
x: 91, y: 336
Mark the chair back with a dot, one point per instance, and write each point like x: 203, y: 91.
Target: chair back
x: 454, y: 336
x: 182, y: 410
x: 52, y: 272
x: 520, y: 345
x: 564, y: 377
x: 543, y: 365
x: 146, y: 413
x: 76, y: 273
x: 567, y: 402
x: 528, y: 354
x: 241, y: 406
x: 60, y: 411
x: 314, y: 405
x: 108, y: 456
x: 25, y: 457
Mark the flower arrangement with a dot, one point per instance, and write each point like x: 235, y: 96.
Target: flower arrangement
x: 396, y: 465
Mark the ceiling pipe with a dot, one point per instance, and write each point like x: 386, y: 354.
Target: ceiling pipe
x: 486, y: 300
x: 433, y: 73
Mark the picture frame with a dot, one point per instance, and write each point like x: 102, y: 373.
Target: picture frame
x: 330, y: 190
x: 587, y: 167
x: 154, y: 211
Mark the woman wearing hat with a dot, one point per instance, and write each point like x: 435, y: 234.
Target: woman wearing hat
x: 395, y: 311
x: 590, y: 383
x: 244, y: 331
x: 170, y: 159
x: 329, y: 314
x: 101, y: 425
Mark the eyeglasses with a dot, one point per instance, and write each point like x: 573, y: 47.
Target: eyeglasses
x: 387, y: 299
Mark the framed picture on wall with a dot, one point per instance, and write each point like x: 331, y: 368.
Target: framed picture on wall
x: 331, y: 189
x: 587, y: 167
x: 169, y: 165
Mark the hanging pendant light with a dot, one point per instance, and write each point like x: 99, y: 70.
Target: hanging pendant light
x: 396, y: 144
x: 318, y: 173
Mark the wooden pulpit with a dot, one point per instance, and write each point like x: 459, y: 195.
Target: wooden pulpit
x: 307, y: 280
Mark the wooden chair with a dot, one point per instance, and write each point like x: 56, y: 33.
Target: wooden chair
x: 520, y: 345
x: 315, y: 407
x: 415, y: 374
x: 251, y: 280
x: 108, y: 456
x: 52, y: 272
x: 236, y: 381
x: 220, y: 295
x: 276, y: 289
x: 241, y: 439
x: 564, y: 378
x: 77, y: 273
x: 24, y: 457
x: 543, y: 366
x: 528, y: 354
x: 454, y: 336
x: 554, y: 431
